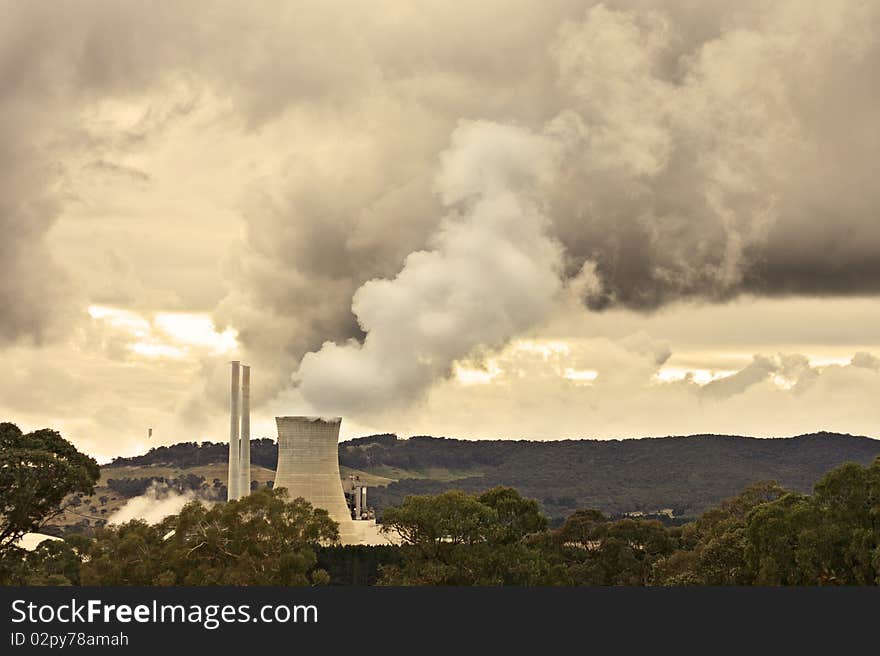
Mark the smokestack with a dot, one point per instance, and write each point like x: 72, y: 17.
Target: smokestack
x: 244, y: 480
x: 234, y: 441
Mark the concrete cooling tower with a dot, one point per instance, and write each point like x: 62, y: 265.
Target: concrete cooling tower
x: 308, y: 466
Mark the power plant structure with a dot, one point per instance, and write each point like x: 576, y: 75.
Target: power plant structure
x: 239, y: 482
x: 308, y: 465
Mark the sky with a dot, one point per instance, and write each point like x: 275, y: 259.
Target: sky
x: 539, y: 219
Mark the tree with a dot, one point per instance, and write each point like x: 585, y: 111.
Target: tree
x: 456, y: 538
x: 772, y: 540
x: 712, y: 549
x: 580, y: 528
x: 516, y: 515
x: 435, y: 525
x: 37, y: 471
x: 130, y: 554
x: 596, y: 551
x: 829, y: 538
x: 845, y: 545
x: 357, y: 564
x: 262, y: 539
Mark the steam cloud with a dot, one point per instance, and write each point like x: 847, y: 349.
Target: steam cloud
x: 154, y: 505
x: 637, y: 152
x: 493, y: 273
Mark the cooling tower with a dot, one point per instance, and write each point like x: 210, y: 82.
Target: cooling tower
x: 308, y: 466
x: 308, y: 463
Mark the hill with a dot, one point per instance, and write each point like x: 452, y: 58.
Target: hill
x: 648, y: 475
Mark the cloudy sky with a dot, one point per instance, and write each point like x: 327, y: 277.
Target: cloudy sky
x: 522, y: 218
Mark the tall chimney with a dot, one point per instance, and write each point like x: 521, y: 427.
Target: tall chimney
x: 244, y: 481
x: 234, y: 441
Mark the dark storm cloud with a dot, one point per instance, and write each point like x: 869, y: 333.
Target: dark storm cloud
x: 54, y: 60
x: 687, y: 150
x: 32, y: 288
x: 744, y: 166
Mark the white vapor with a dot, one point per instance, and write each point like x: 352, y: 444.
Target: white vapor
x: 154, y: 505
x: 493, y: 273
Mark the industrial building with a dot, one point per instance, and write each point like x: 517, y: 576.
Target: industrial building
x: 308, y: 465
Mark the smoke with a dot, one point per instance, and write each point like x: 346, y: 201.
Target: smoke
x: 154, y: 505
x: 680, y: 169
x: 633, y: 152
x: 492, y: 273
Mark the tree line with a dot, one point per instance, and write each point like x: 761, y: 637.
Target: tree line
x: 766, y: 535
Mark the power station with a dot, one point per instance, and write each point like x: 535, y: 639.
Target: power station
x: 308, y: 465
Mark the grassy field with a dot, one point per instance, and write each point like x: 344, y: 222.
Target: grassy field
x: 443, y: 474
x: 208, y: 472
x: 371, y: 479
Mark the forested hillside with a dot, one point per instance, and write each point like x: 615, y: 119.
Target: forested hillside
x: 685, y: 474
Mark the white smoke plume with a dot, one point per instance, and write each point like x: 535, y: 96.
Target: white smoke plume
x: 154, y: 505
x: 493, y: 272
